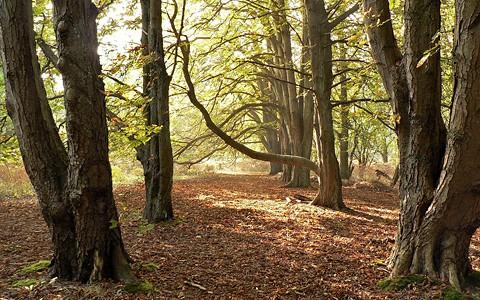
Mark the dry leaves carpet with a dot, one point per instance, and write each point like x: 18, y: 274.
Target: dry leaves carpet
x: 234, y: 237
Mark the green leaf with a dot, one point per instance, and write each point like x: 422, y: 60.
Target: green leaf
x: 113, y: 224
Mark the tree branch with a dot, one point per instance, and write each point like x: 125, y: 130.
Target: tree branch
x: 284, y: 159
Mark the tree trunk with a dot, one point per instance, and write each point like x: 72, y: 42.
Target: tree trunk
x: 441, y: 245
x: 156, y: 155
x: 74, y: 190
x: 330, y: 193
x: 298, y: 105
x: 439, y: 204
x: 99, y: 248
x: 43, y: 154
x: 345, y: 171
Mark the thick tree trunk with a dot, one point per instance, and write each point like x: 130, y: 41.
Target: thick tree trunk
x: 439, y: 210
x: 441, y: 246
x: 99, y: 248
x: 156, y: 155
x: 43, y: 154
x: 330, y: 193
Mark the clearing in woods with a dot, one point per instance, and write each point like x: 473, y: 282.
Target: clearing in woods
x: 234, y: 237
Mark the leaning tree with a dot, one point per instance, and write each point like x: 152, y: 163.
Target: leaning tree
x: 439, y: 179
x: 74, y: 187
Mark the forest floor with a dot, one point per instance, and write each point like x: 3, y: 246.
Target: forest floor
x: 234, y: 237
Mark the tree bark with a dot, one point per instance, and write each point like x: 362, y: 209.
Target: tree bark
x: 330, y: 193
x: 74, y: 189
x: 156, y: 155
x: 43, y: 154
x: 99, y: 249
x: 438, y: 204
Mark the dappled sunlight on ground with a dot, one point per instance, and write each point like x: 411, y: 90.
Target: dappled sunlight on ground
x: 236, y: 237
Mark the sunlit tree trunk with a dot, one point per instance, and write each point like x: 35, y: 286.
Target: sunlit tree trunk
x: 330, y: 193
x: 438, y: 204
x: 297, y: 115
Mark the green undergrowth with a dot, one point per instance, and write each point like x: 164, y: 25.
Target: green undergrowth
x: 36, y: 267
x: 151, y: 267
x: 143, y: 287
x: 451, y: 293
x: 25, y: 283
x: 401, y: 282
x: 472, y: 289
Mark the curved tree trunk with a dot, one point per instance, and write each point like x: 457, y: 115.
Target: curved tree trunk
x: 278, y: 158
x: 156, y: 155
x: 99, y: 248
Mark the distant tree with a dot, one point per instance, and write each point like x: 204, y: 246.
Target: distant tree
x: 74, y: 188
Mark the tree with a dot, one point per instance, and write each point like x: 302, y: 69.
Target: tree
x: 296, y: 117
x: 438, y: 187
x: 156, y: 155
x: 330, y: 193
x: 74, y: 189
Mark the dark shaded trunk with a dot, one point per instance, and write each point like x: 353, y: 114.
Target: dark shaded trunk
x: 43, y: 154
x: 74, y: 189
x: 441, y: 245
x: 99, y: 248
x: 330, y: 193
x: 156, y: 155
x: 416, y: 93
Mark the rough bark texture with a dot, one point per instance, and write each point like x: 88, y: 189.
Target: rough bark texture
x: 74, y: 189
x: 43, y: 154
x: 439, y: 206
x: 330, y: 193
x: 156, y: 155
x: 99, y: 248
